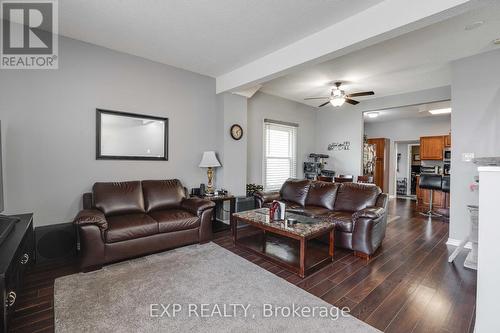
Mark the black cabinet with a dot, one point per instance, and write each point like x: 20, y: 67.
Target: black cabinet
x: 16, y: 255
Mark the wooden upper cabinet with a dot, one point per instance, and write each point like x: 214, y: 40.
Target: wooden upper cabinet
x: 431, y: 147
x: 447, y: 141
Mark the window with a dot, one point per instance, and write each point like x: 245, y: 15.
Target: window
x: 280, y: 153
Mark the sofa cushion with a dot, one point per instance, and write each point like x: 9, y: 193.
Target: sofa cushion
x: 130, y: 226
x: 295, y: 190
x: 119, y: 198
x: 288, y: 204
x: 312, y: 211
x: 322, y: 194
x: 341, y: 219
x: 175, y: 220
x: 352, y: 197
x: 162, y: 194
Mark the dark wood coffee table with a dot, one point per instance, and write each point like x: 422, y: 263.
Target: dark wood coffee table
x: 305, y: 229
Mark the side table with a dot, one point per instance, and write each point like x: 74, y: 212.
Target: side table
x: 219, y: 225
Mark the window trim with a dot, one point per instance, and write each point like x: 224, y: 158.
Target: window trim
x: 264, y: 148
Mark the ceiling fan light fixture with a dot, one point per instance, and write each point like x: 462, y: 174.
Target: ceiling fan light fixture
x: 372, y: 114
x: 440, y: 111
x: 338, y: 96
x: 337, y: 101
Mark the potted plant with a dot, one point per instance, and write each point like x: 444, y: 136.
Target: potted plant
x: 252, y: 188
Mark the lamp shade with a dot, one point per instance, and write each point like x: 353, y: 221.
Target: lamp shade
x: 209, y: 160
x: 337, y: 101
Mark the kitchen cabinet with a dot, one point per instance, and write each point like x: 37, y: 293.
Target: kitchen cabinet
x: 381, y: 172
x: 447, y: 141
x: 431, y: 147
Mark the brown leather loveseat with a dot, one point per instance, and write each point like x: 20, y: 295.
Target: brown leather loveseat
x: 130, y: 219
x: 359, y: 211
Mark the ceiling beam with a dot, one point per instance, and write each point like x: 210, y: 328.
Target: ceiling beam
x: 383, y: 21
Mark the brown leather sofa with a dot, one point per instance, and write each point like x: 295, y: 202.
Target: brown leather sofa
x: 359, y: 211
x: 130, y: 219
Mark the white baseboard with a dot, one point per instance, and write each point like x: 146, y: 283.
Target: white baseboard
x: 456, y: 242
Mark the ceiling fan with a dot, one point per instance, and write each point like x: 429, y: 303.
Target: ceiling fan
x: 338, y: 97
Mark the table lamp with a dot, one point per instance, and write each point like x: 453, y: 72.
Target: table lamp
x: 210, y: 161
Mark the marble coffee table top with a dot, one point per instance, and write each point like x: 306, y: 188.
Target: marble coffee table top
x: 304, y: 227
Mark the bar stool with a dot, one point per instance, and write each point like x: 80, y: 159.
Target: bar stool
x: 429, y: 181
x: 445, y: 184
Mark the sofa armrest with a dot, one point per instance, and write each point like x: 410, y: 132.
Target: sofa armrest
x: 91, y: 216
x: 369, y: 213
x: 382, y: 200
x: 267, y: 196
x: 197, y: 205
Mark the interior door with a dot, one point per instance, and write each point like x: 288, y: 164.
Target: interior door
x: 381, y: 173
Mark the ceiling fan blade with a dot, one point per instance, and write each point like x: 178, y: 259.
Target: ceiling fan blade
x: 364, y: 93
x: 315, y: 98
x: 351, y: 101
x: 324, y: 104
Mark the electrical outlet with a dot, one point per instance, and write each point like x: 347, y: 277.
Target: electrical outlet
x: 467, y: 157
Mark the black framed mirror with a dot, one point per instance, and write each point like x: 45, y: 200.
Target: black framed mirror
x: 130, y: 136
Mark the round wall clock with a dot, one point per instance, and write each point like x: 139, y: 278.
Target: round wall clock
x: 236, y: 132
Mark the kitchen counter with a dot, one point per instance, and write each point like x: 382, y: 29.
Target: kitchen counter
x: 487, y: 161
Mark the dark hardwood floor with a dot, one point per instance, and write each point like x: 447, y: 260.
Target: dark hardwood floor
x: 407, y: 287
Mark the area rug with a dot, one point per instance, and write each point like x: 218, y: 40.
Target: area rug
x: 198, y: 288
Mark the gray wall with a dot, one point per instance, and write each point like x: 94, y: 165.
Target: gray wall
x: 1, y: 170
x: 339, y: 125
x: 409, y: 129
x: 475, y: 128
x: 406, y: 130
x: 346, y: 124
x: 404, y: 165
x: 262, y: 106
x: 48, y: 123
x: 232, y: 109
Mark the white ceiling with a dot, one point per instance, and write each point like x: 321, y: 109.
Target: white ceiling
x: 210, y: 37
x: 412, y: 62
x: 408, y: 112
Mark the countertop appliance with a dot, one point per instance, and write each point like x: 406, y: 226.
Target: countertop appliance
x: 447, y: 155
x: 447, y: 169
x: 434, y: 169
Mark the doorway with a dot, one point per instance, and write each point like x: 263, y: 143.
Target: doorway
x: 407, y: 167
x: 408, y: 125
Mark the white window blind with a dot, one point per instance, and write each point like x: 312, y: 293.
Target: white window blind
x: 280, y: 153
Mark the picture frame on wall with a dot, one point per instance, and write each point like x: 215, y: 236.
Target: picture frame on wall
x: 130, y: 136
